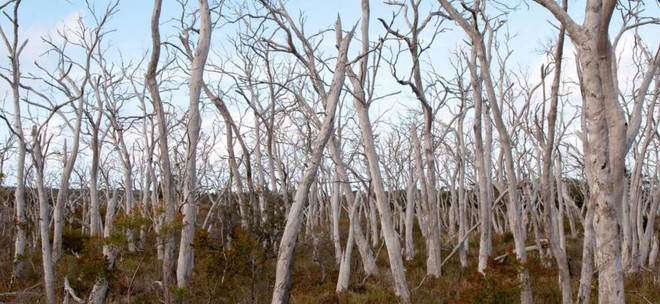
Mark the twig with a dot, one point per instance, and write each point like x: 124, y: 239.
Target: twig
x: 643, y: 297
x: 420, y: 284
x: 130, y: 285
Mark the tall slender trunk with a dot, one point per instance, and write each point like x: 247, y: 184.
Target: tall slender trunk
x: 281, y: 292
x: 335, y: 202
x: 190, y: 188
x: 367, y: 254
x: 433, y: 260
x: 411, y: 190
x: 483, y: 172
x: 361, y: 106
x: 168, y: 235
x: 44, y: 218
x: 20, y: 222
x: 547, y: 193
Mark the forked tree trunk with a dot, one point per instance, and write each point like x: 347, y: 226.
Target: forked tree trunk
x: 44, y: 218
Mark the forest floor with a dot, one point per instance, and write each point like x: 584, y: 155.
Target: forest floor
x: 244, y: 273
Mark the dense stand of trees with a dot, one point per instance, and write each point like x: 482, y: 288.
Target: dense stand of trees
x: 278, y: 140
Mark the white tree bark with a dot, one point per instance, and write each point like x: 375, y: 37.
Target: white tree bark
x: 368, y: 260
x: 607, y: 131
x: 514, y: 209
x: 44, y: 218
x: 433, y: 259
x: 63, y: 192
x: 653, y: 256
x: 335, y: 202
x: 168, y: 238
x: 483, y: 172
x: 190, y: 188
x: 362, y: 107
x: 345, y: 265
x: 281, y: 292
x: 462, y: 199
x: 411, y: 190
x: 100, y: 288
x: 20, y: 222
x: 552, y: 229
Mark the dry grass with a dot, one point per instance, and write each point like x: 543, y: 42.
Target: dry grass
x: 244, y: 273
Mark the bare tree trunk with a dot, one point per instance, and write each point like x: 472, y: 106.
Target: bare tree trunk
x: 20, y: 222
x: 190, y: 188
x: 483, y: 172
x: 335, y: 202
x: 389, y: 234
x: 368, y: 260
x: 44, y: 218
x: 95, y: 228
x: 63, y: 193
x: 345, y: 265
x: 646, y: 242
x: 653, y: 256
x: 411, y: 190
x: 433, y: 260
x: 373, y: 218
x: 514, y: 209
x: 261, y: 178
x: 100, y: 288
x: 168, y: 234
x: 547, y: 193
x: 462, y: 199
x: 588, y: 242
x: 645, y: 235
x: 609, y: 137
x: 281, y: 292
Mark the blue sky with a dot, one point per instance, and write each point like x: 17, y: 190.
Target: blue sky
x: 530, y: 25
x: 529, y: 22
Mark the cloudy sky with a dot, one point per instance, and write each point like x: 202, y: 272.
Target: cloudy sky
x: 530, y: 27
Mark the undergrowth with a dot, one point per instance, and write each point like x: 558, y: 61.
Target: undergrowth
x: 236, y: 265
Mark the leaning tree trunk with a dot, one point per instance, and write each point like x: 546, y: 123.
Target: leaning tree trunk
x: 361, y: 106
x: 367, y: 254
x: 281, y: 292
